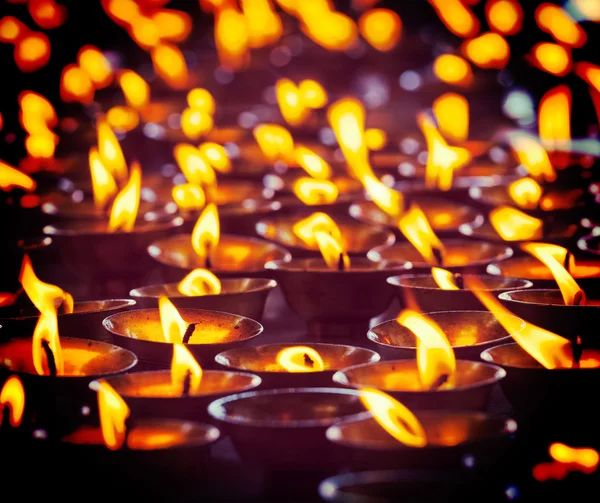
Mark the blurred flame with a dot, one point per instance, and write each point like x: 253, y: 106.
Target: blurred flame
x: 205, y: 236
x: 590, y: 73
x: 201, y: 99
x: 231, y: 37
x: 552, y: 58
x: 192, y: 164
x: 127, y: 202
x: 113, y: 412
x: 75, y: 85
x: 195, y: 123
x: 444, y: 279
x: 389, y: 200
x: 334, y: 255
x: 110, y: 150
x: 189, y: 196
x: 381, y: 28
x: 275, y: 142
x: 11, y: 29
x: 504, y: 16
x: 135, y: 89
x: 305, y: 229
x: 555, y: 118
x: 215, y: 155
x: 199, y: 282
x: 300, y: 359
x: 375, y: 138
x: 587, y: 10
x: 313, y: 192
x: 532, y: 155
x: 457, y: 17
x: 583, y: 458
x: 312, y: 163
x: 452, y: 69
x: 122, y: 119
x: 32, y: 51
x: 451, y: 112
x: 435, y: 357
x: 290, y: 102
x: 547, y: 254
x: 489, y: 50
x: 313, y: 94
x: 514, y: 225
x: 104, y: 186
x: 182, y: 365
x: 329, y: 28
x: 91, y: 60
x: 37, y: 116
x: 526, y: 192
x: 173, y: 325
x: 172, y: 25
x: 170, y: 65
x: 263, y: 23
x: 416, y: 228
x: 557, y: 21
x: 12, y: 395
x: 11, y: 177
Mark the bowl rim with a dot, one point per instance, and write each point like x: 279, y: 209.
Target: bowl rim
x: 495, y: 269
x: 158, y: 226
x: 505, y: 296
x: 279, y: 265
x: 123, y: 303
x: 476, y: 232
x: 267, y: 284
x: 216, y: 410
x: 397, y: 281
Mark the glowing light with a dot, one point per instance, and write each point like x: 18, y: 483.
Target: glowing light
x: 313, y: 94
x: 514, y: 225
x: 199, y: 282
x: 532, y: 155
x: 12, y: 395
x: 330, y: 29
x: 113, y: 412
x: 452, y: 69
x: 313, y: 192
x: 456, y: 16
x: 504, y: 16
x: 104, y: 186
x: 170, y: 65
x: 312, y: 163
x: 75, y: 85
x: 12, y: 178
x: 201, y: 99
x: 122, y: 118
x: 585, y: 459
x: 46, y: 13
x: 127, y: 202
x: 11, y: 29
x: 375, y: 139
x: 263, y: 24
x: 590, y: 73
x: 215, y: 155
x: 275, y: 142
x: 389, y: 200
x: 526, y: 192
x: 32, y: 51
x: 551, y: 58
x: 184, y: 366
x: 381, y: 28
x: 334, y: 255
x: 555, y: 118
x: 444, y: 279
x: 305, y: 229
x: 300, y: 359
x: 96, y: 65
x: 172, y: 25
x: 110, y: 150
x: 451, y: 112
x: 173, y: 325
x: 231, y: 38
x: 195, y: 123
x: 489, y: 50
x: 193, y: 165
x: 205, y: 236
x: 416, y: 228
x: 135, y: 89
x: 189, y: 197
x: 557, y: 22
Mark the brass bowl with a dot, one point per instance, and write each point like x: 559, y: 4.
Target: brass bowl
x: 560, y: 233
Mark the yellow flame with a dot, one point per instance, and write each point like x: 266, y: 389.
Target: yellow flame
x: 231, y: 37
x: 113, y: 412
x: 110, y: 150
x: 122, y: 118
x: 199, y: 282
x: 195, y: 123
x: 135, y: 89
x: 44, y: 296
x: 416, y: 228
x: 556, y: 21
x: 172, y: 25
x: 96, y: 65
x: 329, y: 28
x: 552, y: 58
x: 193, y: 165
x: 555, y: 118
x: 305, y: 229
x: 381, y: 28
x: 263, y: 24
x: 46, y: 329
x: 172, y: 323
x: 313, y: 192
x: 584, y: 457
x: 451, y: 112
x: 275, y: 142
x: 457, y: 17
x: 590, y: 73
x: 182, y: 365
x: 205, y: 236
x: 201, y: 99
x: 40, y: 146
x: 489, y: 50
x: 170, y: 65
x: 333, y: 253
x: 394, y: 417
x: 532, y: 155
x: 313, y: 94
x: 290, y: 102
x: 11, y: 177
x: 452, y: 69
x: 215, y: 155
x: 104, y: 186
x: 389, y: 200
x: 12, y: 395
x: 127, y: 203
x: 300, y: 359
x: 514, y: 225
x: 75, y: 85
x: 435, y: 357
x: 444, y: 279
x: 504, y: 16
x: 548, y: 255
x: 312, y: 163
x: 526, y: 192
x: 375, y: 138
x: 189, y: 196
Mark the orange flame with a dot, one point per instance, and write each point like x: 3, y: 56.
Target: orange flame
x: 275, y: 142
x: 313, y: 94
x: 91, y: 60
x: 170, y: 65
x: 305, y: 229
x: 215, y: 155
x: 113, y: 412
x: 389, y: 200
x: 375, y: 138
x: 75, y: 85
x: 127, y: 202
x: 526, y: 192
x: 47, y: 13
x: 444, y: 279
x: 110, y: 150
x: 554, y: 118
x: 381, y: 28
x: 329, y: 28
x: 195, y: 123
x: 457, y: 17
x: 514, y: 225
x: 183, y: 365
x: 122, y: 118
x: 489, y: 50
x: 504, y: 16
x: 44, y: 296
x: 37, y: 116
x: 172, y: 323
x: 532, y: 155
x: 435, y: 357
x: 104, y: 186
x: 135, y: 89
x: 552, y: 58
x: 193, y: 165
x: 584, y: 459
x: 590, y: 73
x: 394, y: 417
x: 201, y: 99
x: 416, y: 228
x: 452, y: 69
x: 172, y: 25
x: 556, y: 21
x: 451, y: 112
x: 205, y: 236
x: 11, y: 178
x: 231, y: 37
x: 189, y: 196
x: 300, y: 359
x: 263, y: 23
x: 199, y: 282
x: 290, y: 102
x: 313, y: 192
x: 549, y: 255
x: 11, y: 29
x: 334, y: 255
x: 12, y: 395
x: 32, y: 51
x: 312, y: 163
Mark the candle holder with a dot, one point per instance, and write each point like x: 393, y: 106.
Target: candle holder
x: 291, y: 204
x: 234, y: 256
x: 445, y: 216
x: 151, y: 394
x: 141, y: 332
x: 86, y: 318
x: 462, y: 255
x: 547, y: 309
x: 430, y: 297
x: 267, y: 426
x: 558, y: 233
x: 95, y: 254
x: 335, y: 304
x: 357, y: 239
x: 243, y: 296
x: 451, y: 435
x: 468, y: 332
x: 474, y: 382
x: 262, y: 361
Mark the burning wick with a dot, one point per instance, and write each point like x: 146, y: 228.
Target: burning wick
x: 207, y: 261
x: 50, y: 357
x: 187, y: 382
x: 442, y: 379
x: 577, y: 348
x: 341, y: 265
x: 188, y: 332
x: 308, y: 361
x: 459, y: 281
x: 439, y: 257
x: 567, y: 263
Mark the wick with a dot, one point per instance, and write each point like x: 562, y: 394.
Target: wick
x: 437, y: 255
x: 50, y: 357
x: 567, y: 263
x: 577, y: 349
x: 341, y: 265
x: 308, y: 361
x: 578, y: 298
x: 187, y: 382
x: 440, y: 380
x: 207, y: 261
x: 459, y: 281
x: 188, y: 332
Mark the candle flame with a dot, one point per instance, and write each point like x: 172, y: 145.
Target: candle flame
x: 183, y: 365
x: 11, y: 178
x: 127, y: 202
x: 555, y: 118
x: 76, y: 85
x: 504, y: 16
x: 96, y: 65
x: 382, y: 28
x: 201, y: 99
x: 215, y: 155
x: 11, y: 29
x: 394, y: 417
x: 300, y: 359
x: 457, y: 17
x: 489, y: 50
x: 550, y: 255
x: 327, y: 27
x: 113, y: 412
x: 514, y: 225
x: 375, y: 138
x: 193, y: 165
x: 170, y: 65
x: 110, y: 150
x: 583, y: 458
x: 32, y: 51
x: 314, y: 192
x: 263, y: 23
x: 172, y: 25
x: 290, y: 102
x: 526, y: 192
x: 205, y: 236
x: 172, y: 323
x: 135, y: 89
x: 333, y: 253
x: 551, y: 58
x: 444, y: 279
x: 12, y: 395
x: 231, y: 37
x: 532, y: 155
x: 416, y: 228
x: 199, y: 282
x: 122, y: 119
x: 305, y: 229
x: 104, y: 186
x: 389, y: 200
x: 195, y: 123
x: 47, y: 13
x: 37, y: 116
x: 557, y: 22
x: 275, y: 142
x: 312, y: 163
x: 452, y: 69
x: 451, y: 112
x: 189, y: 196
